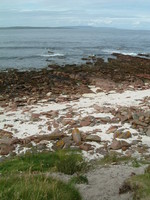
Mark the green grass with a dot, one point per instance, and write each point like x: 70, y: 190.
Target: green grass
x: 114, y: 158
x: 139, y: 185
x: 80, y: 179
x: 68, y: 162
x: 36, y: 187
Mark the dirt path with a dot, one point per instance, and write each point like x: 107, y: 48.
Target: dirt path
x: 104, y: 183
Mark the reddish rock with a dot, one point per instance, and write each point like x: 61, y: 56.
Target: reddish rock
x: 5, y: 149
x: 49, y: 128
x: 55, y: 124
x: 118, y: 144
x: 112, y: 129
x: 85, y: 147
x: 85, y: 121
x: 5, y: 134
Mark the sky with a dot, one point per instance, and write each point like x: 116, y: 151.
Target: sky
x: 126, y: 14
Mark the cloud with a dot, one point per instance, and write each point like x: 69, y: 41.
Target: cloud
x: 117, y: 13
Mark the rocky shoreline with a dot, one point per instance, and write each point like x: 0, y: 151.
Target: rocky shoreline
x: 97, y: 107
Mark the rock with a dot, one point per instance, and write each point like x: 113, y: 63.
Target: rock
x: 137, y: 122
x: 35, y: 117
x: 85, y: 147
x: 105, y: 119
x: 118, y: 144
x: 9, y: 141
x: 48, y: 94
x: 49, y: 128
x: 148, y: 132
x: 58, y: 145
x: 93, y: 138
x: 5, y: 134
x: 135, y: 142
x: 85, y: 121
x: 41, y: 147
x: 55, y: 124
x: 123, y: 135
x: 55, y: 135
x: 6, y: 149
x: 76, y: 135
x: 112, y: 129
x: 68, y: 142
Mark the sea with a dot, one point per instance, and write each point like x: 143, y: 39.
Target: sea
x: 27, y: 47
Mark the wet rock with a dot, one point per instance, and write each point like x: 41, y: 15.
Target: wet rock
x: 76, y: 135
x: 93, y: 138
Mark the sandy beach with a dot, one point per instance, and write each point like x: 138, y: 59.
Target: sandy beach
x: 98, y: 108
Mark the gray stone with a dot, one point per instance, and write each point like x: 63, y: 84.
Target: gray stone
x: 93, y: 138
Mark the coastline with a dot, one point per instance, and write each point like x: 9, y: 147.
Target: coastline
x: 107, y: 103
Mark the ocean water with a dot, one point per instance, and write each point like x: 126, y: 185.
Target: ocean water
x: 24, y: 48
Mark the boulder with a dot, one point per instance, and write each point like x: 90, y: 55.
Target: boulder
x: 123, y: 135
x: 93, y: 138
x: 118, y: 144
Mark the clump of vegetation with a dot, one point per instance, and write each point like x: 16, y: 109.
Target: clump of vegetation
x: 80, y: 179
x: 68, y: 162
x: 114, y: 158
x: 136, y: 163
x: 37, y: 187
x: 24, y: 177
x: 139, y: 185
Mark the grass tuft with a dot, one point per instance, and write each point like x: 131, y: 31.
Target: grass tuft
x: 37, y: 187
x: 113, y: 158
x: 139, y: 185
x: 68, y: 162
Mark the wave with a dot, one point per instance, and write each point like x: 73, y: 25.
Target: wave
x: 52, y: 55
x: 31, y: 56
x: 110, y: 51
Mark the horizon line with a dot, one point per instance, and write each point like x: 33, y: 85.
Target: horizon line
x: 60, y: 27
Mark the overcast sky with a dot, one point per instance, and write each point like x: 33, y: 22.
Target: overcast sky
x: 132, y: 14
